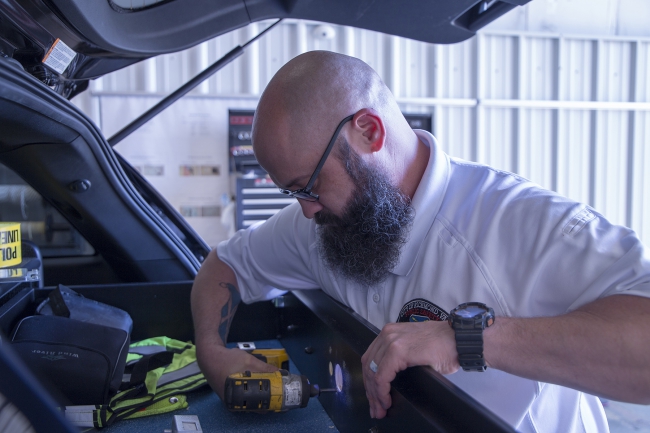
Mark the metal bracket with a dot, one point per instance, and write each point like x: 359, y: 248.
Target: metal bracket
x: 278, y: 302
x: 247, y: 346
x: 185, y: 423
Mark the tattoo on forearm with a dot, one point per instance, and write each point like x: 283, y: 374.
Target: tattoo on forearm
x: 228, y: 310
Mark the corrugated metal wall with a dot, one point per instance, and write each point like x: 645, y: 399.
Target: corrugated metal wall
x: 571, y: 113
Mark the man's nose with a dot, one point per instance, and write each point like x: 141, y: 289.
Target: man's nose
x: 309, y: 208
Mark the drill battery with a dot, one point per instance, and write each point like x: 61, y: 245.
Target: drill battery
x: 275, y: 357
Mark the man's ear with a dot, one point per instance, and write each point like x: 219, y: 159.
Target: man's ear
x: 369, y: 130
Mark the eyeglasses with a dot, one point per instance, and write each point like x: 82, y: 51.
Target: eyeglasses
x: 305, y: 193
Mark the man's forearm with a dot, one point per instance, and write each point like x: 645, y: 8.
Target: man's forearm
x: 602, y: 348
x: 214, y: 300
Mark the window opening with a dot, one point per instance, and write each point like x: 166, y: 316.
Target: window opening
x: 39, y: 221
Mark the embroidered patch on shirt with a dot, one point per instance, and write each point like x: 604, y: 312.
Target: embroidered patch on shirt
x: 421, y: 310
x: 578, y: 222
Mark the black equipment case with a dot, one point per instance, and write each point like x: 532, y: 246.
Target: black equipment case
x: 77, y: 344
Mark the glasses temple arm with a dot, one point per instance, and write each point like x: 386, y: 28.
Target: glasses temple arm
x: 313, y: 177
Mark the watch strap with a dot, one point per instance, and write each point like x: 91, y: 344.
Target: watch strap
x: 469, y: 335
x: 469, y: 344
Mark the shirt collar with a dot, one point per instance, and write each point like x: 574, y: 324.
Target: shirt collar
x: 426, y: 202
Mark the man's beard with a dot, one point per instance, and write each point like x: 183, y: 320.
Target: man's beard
x: 364, y: 244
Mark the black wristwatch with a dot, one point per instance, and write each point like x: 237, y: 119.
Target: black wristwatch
x: 468, y: 321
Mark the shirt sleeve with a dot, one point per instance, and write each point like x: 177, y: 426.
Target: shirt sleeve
x: 563, y: 255
x: 613, y: 255
x: 272, y: 257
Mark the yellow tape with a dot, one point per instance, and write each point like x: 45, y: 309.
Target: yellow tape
x: 10, y: 251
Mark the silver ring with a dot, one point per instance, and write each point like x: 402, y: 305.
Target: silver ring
x: 373, y: 366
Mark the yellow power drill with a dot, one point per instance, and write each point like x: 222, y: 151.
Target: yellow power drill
x: 278, y: 391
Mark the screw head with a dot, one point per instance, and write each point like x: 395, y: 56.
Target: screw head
x: 80, y: 185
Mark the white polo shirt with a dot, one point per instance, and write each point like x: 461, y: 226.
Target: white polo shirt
x: 479, y: 234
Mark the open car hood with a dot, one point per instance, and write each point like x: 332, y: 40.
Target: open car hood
x: 107, y: 36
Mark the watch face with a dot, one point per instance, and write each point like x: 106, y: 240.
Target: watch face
x: 470, y: 311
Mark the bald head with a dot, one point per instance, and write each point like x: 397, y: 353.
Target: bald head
x: 307, y: 98
x: 363, y: 194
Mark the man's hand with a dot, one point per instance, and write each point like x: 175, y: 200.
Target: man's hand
x: 601, y: 348
x: 403, y: 345
x: 218, y: 362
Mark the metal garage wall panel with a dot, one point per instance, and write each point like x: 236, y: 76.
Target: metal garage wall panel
x: 535, y: 155
x: 611, y: 165
x: 577, y: 69
x: 498, y: 136
x: 499, y: 69
x: 569, y: 112
x: 573, y: 167
x: 614, y: 71
x: 538, y: 63
x: 172, y: 69
x: 455, y: 70
x: 165, y: 73
x: 278, y: 47
x: 228, y: 81
x: 640, y: 209
x: 320, y: 43
x: 371, y: 48
x: 415, y: 71
x: 640, y: 202
x: 455, y: 131
x: 642, y: 72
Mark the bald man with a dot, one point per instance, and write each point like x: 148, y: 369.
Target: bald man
x: 387, y: 223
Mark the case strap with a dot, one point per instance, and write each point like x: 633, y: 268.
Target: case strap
x: 57, y: 303
x: 143, y: 366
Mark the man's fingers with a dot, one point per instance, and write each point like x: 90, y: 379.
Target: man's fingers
x: 369, y: 381
x: 376, y: 411
x: 377, y: 376
x: 382, y: 390
x: 371, y: 403
x: 377, y: 390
